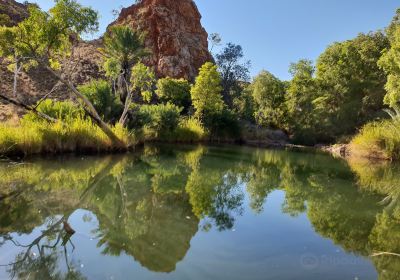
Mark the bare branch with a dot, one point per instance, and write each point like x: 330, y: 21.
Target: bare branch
x: 47, y: 95
x: 28, y: 108
x: 385, y: 253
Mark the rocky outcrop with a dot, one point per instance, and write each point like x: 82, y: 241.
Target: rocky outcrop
x: 12, y: 12
x: 37, y: 82
x: 338, y: 150
x: 174, y: 35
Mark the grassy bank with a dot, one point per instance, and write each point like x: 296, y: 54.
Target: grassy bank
x: 378, y: 140
x: 78, y: 135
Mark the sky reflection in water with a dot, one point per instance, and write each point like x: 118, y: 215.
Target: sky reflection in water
x: 198, y: 212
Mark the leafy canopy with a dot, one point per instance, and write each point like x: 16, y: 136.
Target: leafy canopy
x: 143, y: 79
x: 176, y: 91
x: 123, y: 47
x: 232, y: 69
x: 390, y: 62
x: 269, y: 96
x: 206, y: 93
x: 45, y: 37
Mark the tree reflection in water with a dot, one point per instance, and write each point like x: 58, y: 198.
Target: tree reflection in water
x: 150, y: 205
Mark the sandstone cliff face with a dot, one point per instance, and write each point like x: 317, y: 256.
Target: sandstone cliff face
x: 174, y: 35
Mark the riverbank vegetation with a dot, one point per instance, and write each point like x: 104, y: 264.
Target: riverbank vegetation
x: 350, y: 85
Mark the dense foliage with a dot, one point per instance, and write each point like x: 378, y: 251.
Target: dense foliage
x: 268, y: 93
x: 390, y: 62
x: 326, y: 101
x: 232, y: 70
x: 176, y: 91
x: 106, y: 103
x: 158, y: 121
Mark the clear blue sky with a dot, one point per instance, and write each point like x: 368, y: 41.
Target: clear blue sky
x: 275, y: 33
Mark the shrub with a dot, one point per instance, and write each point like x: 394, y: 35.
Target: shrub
x: 175, y: 91
x: 157, y: 121
x: 100, y: 94
x: 222, y: 124
x: 60, y: 110
x: 189, y: 130
x: 378, y: 140
x: 5, y: 20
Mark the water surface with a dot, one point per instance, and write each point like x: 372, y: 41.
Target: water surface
x: 194, y: 212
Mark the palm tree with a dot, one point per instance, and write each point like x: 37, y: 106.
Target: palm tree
x: 123, y: 48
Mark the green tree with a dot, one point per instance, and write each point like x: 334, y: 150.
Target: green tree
x: 390, y: 62
x: 244, y: 105
x: 233, y: 70
x: 269, y: 96
x: 143, y: 80
x: 206, y: 92
x: 176, y: 91
x: 352, y: 84
x: 123, y: 48
x: 299, y: 101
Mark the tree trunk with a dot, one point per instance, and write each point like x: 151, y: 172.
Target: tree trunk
x: 15, y: 79
x: 90, y: 110
x: 128, y: 100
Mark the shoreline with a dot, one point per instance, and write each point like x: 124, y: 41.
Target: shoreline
x: 342, y: 151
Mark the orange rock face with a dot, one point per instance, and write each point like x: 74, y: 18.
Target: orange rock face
x: 174, y: 35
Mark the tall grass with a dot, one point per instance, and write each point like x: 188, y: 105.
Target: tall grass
x: 378, y: 140
x: 76, y: 135
x: 190, y: 130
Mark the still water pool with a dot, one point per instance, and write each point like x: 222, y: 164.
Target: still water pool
x: 195, y: 212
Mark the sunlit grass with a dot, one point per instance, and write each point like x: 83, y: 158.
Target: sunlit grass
x: 190, y: 130
x: 378, y: 140
x: 76, y: 135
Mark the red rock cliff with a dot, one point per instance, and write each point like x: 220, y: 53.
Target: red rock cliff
x: 174, y: 35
